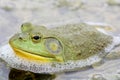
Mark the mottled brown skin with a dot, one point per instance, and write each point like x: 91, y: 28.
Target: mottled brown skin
x: 80, y: 40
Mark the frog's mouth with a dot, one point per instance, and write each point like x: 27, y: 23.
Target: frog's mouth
x: 33, y: 57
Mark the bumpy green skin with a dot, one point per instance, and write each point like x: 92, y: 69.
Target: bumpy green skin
x: 79, y: 41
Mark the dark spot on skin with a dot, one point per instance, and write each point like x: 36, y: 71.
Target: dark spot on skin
x: 79, y: 54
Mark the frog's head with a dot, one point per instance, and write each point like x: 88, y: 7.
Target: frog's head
x: 33, y: 45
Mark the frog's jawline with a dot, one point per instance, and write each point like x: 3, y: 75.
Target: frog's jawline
x: 31, y: 56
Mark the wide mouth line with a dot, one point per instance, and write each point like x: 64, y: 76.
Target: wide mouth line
x: 24, y: 52
x: 36, y: 54
x: 31, y: 52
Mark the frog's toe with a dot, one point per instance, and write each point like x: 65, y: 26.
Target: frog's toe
x: 97, y: 64
x: 114, y: 54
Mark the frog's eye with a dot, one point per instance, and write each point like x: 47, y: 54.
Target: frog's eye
x: 36, y: 38
x: 53, y: 46
x: 25, y: 27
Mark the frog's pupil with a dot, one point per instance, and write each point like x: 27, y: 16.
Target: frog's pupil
x: 36, y: 37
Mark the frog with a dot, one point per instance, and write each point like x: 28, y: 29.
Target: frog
x: 69, y: 47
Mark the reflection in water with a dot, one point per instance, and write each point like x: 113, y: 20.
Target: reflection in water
x: 26, y: 75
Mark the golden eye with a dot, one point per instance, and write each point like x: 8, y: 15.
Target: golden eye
x: 36, y: 38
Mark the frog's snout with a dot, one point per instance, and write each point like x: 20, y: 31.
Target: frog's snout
x: 20, y: 38
x: 14, y: 38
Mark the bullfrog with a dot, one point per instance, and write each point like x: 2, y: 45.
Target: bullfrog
x: 63, y: 48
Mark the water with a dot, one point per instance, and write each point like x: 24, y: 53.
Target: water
x: 55, y: 12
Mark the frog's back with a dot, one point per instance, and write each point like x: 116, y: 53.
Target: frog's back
x: 81, y: 40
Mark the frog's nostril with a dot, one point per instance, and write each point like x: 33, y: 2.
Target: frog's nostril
x: 20, y: 38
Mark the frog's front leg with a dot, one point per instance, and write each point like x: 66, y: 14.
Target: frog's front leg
x: 102, y: 27
x: 114, y: 54
x: 97, y: 64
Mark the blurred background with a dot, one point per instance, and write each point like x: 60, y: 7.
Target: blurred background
x: 54, y: 12
x: 43, y: 12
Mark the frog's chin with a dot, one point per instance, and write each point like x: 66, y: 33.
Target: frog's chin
x: 32, y: 57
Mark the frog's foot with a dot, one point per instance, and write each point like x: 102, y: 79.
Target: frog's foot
x: 102, y: 27
x: 114, y: 54
x: 113, y: 50
x: 97, y: 64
